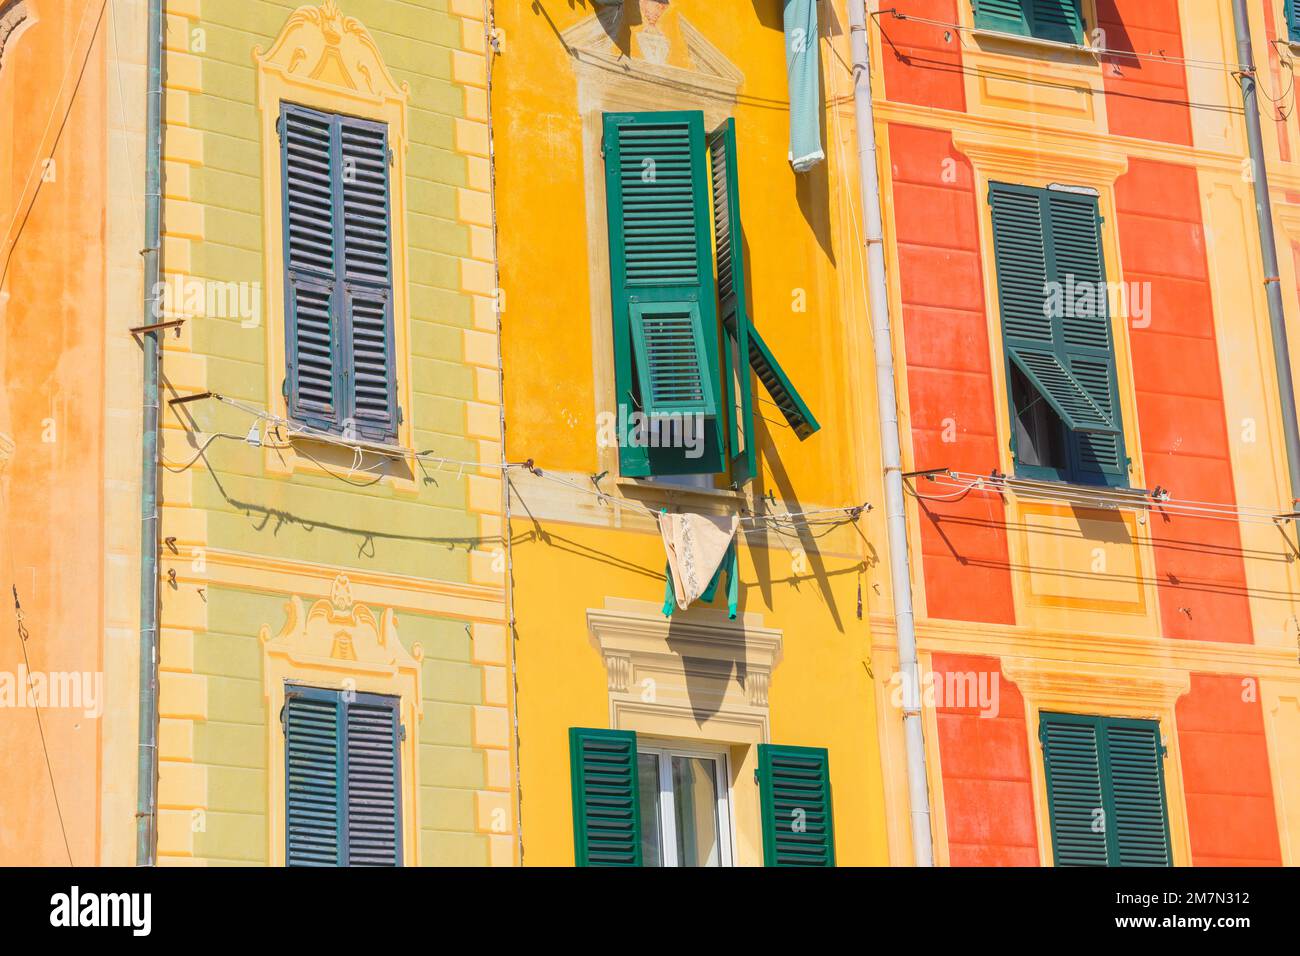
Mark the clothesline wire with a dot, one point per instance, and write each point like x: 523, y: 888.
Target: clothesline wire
x: 815, y: 516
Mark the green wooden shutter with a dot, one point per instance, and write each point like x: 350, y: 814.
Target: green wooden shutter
x: 662, y: 286
x: 313, y: 736
x: 367, y: 278
x: 313, y: 380
x: 1057, y: 20
x: 606, y: 797
x: 1073, y: 764
x: 1137, y: 776
x: 373, y: 776
x: 1047, y: 251
x: 1293, y: 20
x: 778, y: 385
x: 795, y: 793
x: 1083, y: 334
x: 1105, y: 790
x: 729, y: 243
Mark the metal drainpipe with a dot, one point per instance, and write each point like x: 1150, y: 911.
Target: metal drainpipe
x: 1268, y: 245
x: 895, y: 511
x: 146, y: 814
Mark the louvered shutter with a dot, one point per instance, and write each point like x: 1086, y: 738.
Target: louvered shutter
x: 1293, y: 20
x: 661, y: 275
x: 367, y: 278
x: 1058, y: 20
x: 339, y: 283
x: 1004, y: 16
x: 729, y: 245
x: 1047, y: 253
x: 1073, y: 762
x: 313, y: 381
x: 606, y: 797
x: 1105, y: 790
x: 313, y: 778
x: 373, y: 781
x: 1141, y: 824
x: 795, y: 796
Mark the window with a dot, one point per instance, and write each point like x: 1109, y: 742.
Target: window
x: 686, y: 819
x: 683, y: 340
x: 343, y: 778
x: 666, y: 805
x: 1060, y: 21
x: 1293, y: 20
x: 1105, y: 790
x: 340, y: 374
x: 1056, y: 335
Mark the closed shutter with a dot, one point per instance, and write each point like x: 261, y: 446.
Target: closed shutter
x: 1072, y: 760
x: 313, y: 380
x: 1056, y: 321
x: 374, y: 780
x: 662, y: 285
x: 1105, y: 790
x: 795, y: 794
x: 1138, y: 783
x: 367, y: 277
x: 606, y: 797
x: 1293, y: 20
x: 341, y: 364
x: 313, y: 778
x: 1057, y: 20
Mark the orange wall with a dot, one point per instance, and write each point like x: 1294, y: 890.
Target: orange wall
x: 1145, y: 98
x: 920, y: 66
x: 51, y: 358
x: 1230, y: 815
x: 1201, y: 577
x: 963, y: 543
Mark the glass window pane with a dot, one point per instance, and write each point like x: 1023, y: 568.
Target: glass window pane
x: 647, y: 769
x: 695, y: 796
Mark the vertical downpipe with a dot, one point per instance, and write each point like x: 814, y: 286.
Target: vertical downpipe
x: 1268, y: 245
x: 891, y: 450
x: 146, y: 814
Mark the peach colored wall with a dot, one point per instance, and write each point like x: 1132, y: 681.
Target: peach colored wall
x: 52, y: 367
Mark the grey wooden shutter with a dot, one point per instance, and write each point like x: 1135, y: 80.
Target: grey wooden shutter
x: 373, y: 781
x: 313, y: 736
x: 314, y: 365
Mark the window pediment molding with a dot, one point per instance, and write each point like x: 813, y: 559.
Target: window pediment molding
x: 1041, y: 156
x: 1097, y: 688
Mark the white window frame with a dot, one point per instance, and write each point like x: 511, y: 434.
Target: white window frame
x: 667, y: 806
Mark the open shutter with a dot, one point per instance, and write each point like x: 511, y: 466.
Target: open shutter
x: 662, y: 286
x: 313, y: 777
x: 606, y: 797
x: 1140, y: 815
x: 779, y: 386
x: 367, y: 278
x: 313, y: 379
x: 1073, y: 761
x: 795, y: 791
x: 729, y: 244
x: 374, y: 781
x: 1083, y: 332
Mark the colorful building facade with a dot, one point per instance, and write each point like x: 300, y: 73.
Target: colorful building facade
x: 334, y: 666
x: 1106, y: 600
x: 643, y: 176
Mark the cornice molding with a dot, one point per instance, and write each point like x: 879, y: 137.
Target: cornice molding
x: 995, y: 153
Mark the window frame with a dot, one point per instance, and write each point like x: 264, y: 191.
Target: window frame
x: 1000, y: 27
x: 721, y: 758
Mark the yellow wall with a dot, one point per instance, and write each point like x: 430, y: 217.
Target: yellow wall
x: 587, y: 573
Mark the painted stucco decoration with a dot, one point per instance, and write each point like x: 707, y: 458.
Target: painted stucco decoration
x: 13, y: 16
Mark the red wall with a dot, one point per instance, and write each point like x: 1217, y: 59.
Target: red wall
x: 1145, y: 98
x: 1230, y: 815
x: 1200, y: 572
x: 920, y: 66
x: 987, y: 792
x: 945, y: 327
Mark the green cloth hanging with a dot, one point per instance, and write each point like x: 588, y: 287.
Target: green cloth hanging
x: 730, y: 565
x: 802, y: 61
